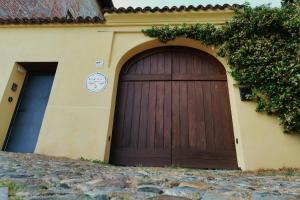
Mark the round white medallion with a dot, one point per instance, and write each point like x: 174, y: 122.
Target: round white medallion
x: 96, y: 82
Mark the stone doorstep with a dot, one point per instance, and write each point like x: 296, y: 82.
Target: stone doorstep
x: 3, y: 193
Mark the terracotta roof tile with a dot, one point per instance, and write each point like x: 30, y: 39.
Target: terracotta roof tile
x: 49, y: 8
x: 97, y: 19
x: 54, y: 20
x: 171, y: 9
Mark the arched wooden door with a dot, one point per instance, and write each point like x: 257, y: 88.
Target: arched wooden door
x: 173, y: 108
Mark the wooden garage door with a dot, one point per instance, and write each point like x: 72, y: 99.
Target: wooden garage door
x: 173, y: 108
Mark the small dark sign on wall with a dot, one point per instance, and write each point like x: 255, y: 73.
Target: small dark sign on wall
x: 245, y: 92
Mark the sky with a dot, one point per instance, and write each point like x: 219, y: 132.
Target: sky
x: 161, y: 3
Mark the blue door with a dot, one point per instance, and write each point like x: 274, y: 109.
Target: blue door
x: 26, y: 123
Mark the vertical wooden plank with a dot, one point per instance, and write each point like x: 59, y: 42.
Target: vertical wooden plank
x: 175, y: 115
x: 206, y: 68
x: 136, y: 112
x: 190, y: 63
x: 200, y: 65
x: 197, y: 134
x: 195, y: 64
x: 154, y: 62
x: 125, y: 139
x: 150, y: 137
x: 167, y: 131
x: 182, y: 63
x: 146, y: 66
x: 160, y: 63
x: 217, y: 118
x: 192, y: 115
x: 167, y: 114
x: 168, y: 63
x: 139, y: 67
x: 209, y: 116
x: 183, y: 114
x: 144, y: 115
x: 159, y: 115
x: 175, y: 63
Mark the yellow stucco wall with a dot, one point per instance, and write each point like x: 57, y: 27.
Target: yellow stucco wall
x: 77, y: 123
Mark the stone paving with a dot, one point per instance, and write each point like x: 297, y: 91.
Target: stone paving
x: 37, y: 177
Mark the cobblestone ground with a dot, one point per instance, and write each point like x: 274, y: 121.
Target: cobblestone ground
x: 39, y: 177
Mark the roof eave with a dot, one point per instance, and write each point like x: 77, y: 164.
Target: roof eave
x: 54, y: 20
x: 148, y: 9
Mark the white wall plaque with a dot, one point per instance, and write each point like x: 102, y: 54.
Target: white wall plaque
x: 99, y: 63
x: 96, y: 82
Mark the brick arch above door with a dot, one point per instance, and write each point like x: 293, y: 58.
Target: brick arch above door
x: 173, y: 108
